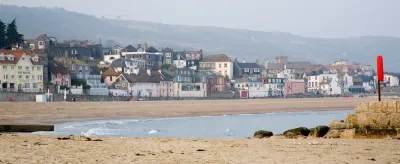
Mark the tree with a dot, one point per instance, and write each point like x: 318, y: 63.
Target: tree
x: 12, y: 35
x: 2, y: 35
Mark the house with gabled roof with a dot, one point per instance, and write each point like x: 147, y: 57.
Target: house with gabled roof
x: 59, y: 74
x: 20, y: 71
x: 141, y: 84
x: 179, y: 60
x: 220, y: 64
x: 250, y: 69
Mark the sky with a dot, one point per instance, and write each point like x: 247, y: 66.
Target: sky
x: 311, y: 18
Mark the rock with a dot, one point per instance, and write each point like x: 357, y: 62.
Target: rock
x: 362, y: 107
x: 351, y: 121
x: 312, y: 131
x: 200, y: 150
x: 337, y: 125
x: 348, y: 133
x: 369, y: 132
x: 63, y: 138
x: 297, y: 132
x: 262, y: 134
x: 320, y: 131
x: 333, y: 134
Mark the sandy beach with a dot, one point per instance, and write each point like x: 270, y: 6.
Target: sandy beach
x: 26, y: 149
x: 32, y: 148
x: 12, y: 112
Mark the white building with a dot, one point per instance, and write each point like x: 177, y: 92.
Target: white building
x: 113, y: 54
x: 190, y: 89
x: 287, y: 73
x: 96, y: 87
x: 391, y: 80
x: 327, y: 84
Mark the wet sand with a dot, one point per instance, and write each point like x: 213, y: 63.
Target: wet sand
x: 58, y: 112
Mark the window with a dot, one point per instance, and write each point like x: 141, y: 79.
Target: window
x: 40, y: 43
x: 35, y: 85
x: 23, y: 58
x: 27, y: 76
x: 110, y: 78
x: 5, y: 67
x: 80, y: 67
x: 123, y: 84
x: 19, y: 76
x: 269, y: 80
x: 12, y: 76
x: 39, y: 68
x: 219, y: 65
x: 226, y: 72
x: 273, y: 80
x: 11, y: 57
x: 256, y: 70
x: 1, y: 57
x: 74, y: 52
x: 27, y: 67
x: 58, y: 52
x: 36, y: 59
x: 246, y: 70
x: 5, y: 77
x: 27, y: 85
x: 19, y: 67
x: 225, y: 65
x: 40, y: 77
x: 12, y: 67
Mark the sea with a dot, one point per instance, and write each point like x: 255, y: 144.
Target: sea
x: 224, y: 126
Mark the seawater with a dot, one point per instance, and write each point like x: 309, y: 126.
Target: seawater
x: 226, y: 126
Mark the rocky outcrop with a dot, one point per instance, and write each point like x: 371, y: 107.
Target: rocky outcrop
x: 262, y: 134
x: 371, y: 120
x: 297, y: 132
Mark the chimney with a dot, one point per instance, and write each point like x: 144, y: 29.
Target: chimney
x: 148, y: 71
x: 136, y: 70
x: 257, y: 61
x: 129, y: 71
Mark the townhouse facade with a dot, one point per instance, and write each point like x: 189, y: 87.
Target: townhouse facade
x: 21, y: 71
x: 219, y: 64
x: 59, y: 75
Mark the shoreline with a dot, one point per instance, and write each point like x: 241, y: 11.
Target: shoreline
x: 63, y: 112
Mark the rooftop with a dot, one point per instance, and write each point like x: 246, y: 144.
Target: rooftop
x: 248, y: 65
x: 217, y: 58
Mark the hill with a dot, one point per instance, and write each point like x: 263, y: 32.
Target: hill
x: 243, y: 44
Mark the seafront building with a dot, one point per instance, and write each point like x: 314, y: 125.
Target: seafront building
x: 20, y: 71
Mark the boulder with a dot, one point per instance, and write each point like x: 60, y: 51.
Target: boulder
x: 362, y: 107
x: 297, y: 132
x: 333, y: 133
x: 369, y: 132
x: 312, y: 131
x: 351, y: 121
x: 262, y: 134
x: 337, y: 125
x: 320, y: 131
x: 347, y: 133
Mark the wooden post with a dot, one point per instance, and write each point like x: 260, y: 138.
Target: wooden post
x: 379, y: 90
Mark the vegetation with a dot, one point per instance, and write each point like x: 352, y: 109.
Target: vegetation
x: 9, y: 35
x: 2, y: 34
x: 77, y: 82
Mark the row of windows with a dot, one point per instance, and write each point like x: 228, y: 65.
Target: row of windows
x: 20, y: 67
x: 225, y: 65
x: 40, y: 77
x: 255, y: 70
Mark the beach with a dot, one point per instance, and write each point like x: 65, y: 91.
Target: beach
x: 58, y: 112
x: 21, y: 148
x: 34, y: 148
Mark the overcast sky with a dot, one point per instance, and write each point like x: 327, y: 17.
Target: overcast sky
x: 315, y: 18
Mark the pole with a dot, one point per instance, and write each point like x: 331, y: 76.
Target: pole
x: 379, y: 90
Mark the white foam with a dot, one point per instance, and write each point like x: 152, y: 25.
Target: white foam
x: 153, y: 131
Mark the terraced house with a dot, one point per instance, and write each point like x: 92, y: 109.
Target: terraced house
x: 20, y: 71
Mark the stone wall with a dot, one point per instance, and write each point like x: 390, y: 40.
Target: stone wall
x: 376, y: 115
